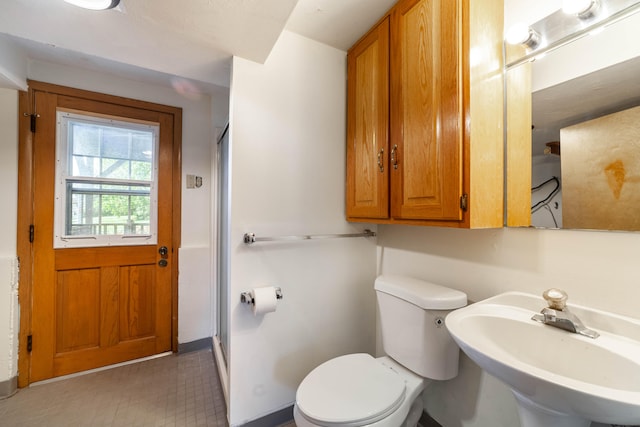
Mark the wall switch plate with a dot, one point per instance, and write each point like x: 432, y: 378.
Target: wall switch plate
x: 194, y: 181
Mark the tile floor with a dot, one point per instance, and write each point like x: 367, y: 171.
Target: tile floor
x: 175, y: 390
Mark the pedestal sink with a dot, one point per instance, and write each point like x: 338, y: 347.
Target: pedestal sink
x: 559, y: 378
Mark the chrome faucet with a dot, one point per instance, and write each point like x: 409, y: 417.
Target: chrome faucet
x: 559, y: 316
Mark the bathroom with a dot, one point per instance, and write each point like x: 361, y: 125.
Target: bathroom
x: 287, y: 129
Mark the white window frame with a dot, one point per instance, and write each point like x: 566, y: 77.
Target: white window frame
x: 61, y: 239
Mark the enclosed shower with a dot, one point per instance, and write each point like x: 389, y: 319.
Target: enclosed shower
x: 222, y: 197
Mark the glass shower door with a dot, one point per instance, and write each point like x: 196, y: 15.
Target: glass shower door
x: 223, y: 222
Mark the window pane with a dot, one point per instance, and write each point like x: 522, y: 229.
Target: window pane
x: 115, y: 143
x: 112, y: 168
x: 141, y: 171
x: 142, y: 146
x: 102, y: 151
x: 99, y: 209
x: 106, y: 181
x: 85, y: 166
x: 86, y: 138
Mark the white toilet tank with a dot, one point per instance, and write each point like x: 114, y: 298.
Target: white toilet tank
x: 412, y: 314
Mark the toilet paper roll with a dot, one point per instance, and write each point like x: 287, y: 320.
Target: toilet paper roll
x: 264, y: 300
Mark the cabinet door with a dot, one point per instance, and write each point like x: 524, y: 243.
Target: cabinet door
x: 426, y: 110
x: 368, y: 125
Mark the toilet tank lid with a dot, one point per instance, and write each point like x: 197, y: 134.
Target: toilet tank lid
x: 423, y: 294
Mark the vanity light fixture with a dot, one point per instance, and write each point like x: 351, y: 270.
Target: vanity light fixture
x: 95, y: 4
x: 583, y: 9
x: 523, y: 34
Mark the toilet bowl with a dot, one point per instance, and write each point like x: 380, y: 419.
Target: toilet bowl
x: 360, y: 390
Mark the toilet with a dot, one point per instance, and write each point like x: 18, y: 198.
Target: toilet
x: 359, y: 390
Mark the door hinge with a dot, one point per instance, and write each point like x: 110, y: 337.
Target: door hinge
x: 464, y: 201
x: 32, y: 118
x: 32, y: 232
x: 30, y: 343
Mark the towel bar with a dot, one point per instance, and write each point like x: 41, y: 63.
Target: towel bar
x: 250, y: 238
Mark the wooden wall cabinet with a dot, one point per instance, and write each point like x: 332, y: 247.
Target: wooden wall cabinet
x: 368, y: 125
x: 425, y: 116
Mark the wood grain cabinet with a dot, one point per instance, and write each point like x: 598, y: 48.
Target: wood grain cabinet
x: 368, y: 125
x: 425, y: 116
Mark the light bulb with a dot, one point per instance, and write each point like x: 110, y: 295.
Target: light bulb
x: 580, y: 8
x: 94, y: 4
x: 520, y: 33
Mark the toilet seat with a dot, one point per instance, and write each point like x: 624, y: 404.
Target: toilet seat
x: 352, y: 390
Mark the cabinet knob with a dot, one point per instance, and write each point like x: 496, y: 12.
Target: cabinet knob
x: 380, y: 160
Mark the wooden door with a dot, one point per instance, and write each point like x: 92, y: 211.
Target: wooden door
x: 368, y: 125
x: 93, y: 306
x: 426, y: 110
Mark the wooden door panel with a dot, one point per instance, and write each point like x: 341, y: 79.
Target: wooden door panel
x: 95, y: 357
x: 419, y: 76
x: 109, y: 306
x: 124, y: 326
x: 80, y: 104
x: 98, y: 306
x: 368, y: 123
x: 426, y: 110
x: 77, y: 320
x: 66, y: 259
x: 137, y: 302
x: 126, y: 300
x: 366, y: 191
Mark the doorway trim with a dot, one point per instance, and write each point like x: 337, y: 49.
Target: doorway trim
x: 25, y: 204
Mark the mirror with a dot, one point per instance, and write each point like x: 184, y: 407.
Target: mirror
x: 573, y: 122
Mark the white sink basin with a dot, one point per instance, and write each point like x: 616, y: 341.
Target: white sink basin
x: 559, y: 378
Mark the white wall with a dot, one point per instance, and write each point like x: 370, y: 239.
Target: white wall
x: 597, y: 269
x: 8, y: 228
x: 528, y: 12
x: 288, y: 166
x: 592, y: 53
x: 13, y: 65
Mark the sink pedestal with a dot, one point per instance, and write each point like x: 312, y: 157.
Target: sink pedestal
x: 534, y: 415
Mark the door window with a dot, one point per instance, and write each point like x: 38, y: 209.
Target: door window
x: 106, y: 181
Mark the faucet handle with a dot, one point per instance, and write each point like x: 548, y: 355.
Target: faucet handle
x: 556, y: 298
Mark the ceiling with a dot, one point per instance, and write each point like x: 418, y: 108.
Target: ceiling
x: 157, y: 40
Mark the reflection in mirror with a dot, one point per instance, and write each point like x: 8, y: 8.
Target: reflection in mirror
x: 582, y: 124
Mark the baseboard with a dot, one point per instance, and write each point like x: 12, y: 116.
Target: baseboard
x: 201, y: 344
x: 278, y: 418
x: 285, y: 416
x: 8, y: 388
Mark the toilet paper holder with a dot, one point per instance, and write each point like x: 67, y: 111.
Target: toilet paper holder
x: 246, y: 298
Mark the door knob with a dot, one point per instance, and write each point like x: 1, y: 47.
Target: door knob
x: 163, y: 251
